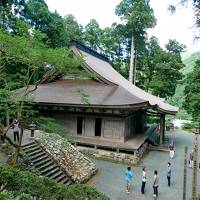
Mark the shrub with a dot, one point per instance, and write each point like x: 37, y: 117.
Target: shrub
x: 188, y: 126
x: 50, y: 125
x: 19, y: 182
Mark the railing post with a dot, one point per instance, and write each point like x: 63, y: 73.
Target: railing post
x: 194, y: 175
x: 185, y: 173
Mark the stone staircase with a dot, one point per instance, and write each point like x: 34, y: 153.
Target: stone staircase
x: 163, y: 147
x: 45, y: 164
x: 152, y: 135
x: 79, y: 168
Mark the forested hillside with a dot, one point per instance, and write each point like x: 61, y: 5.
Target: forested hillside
x: 189, y: 60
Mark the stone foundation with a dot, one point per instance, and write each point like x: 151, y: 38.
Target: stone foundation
x: 127, y: 158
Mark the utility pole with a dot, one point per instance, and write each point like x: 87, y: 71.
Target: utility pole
x: 185, y: 173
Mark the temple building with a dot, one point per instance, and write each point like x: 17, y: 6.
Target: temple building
x: 105, y: 110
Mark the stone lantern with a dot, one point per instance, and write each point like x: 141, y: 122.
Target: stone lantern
x: 32, y: 127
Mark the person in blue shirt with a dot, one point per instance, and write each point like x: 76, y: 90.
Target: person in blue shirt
x: 128, y: 178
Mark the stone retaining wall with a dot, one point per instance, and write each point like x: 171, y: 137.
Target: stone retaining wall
x: 127, y: 158
x: 76, y: 165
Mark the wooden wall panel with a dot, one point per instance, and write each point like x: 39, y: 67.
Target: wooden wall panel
x: 71, y: 124
x: 112, y: 128
x: 89, y: 126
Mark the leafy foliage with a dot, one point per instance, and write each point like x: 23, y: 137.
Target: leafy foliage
x: 73, y: 29
x: 137, y: 16
x: 91, y: 34
x: 26, y: 60
x: 160, y: 68
x: 192, y: 91
x: 19, y: 182
x: 50, y: 125
x: 36, y: 13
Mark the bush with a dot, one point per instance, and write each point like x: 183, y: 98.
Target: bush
x: 50, y: 125
x: 19, y: 182
x: 188, y: 126
x: 5, y: 195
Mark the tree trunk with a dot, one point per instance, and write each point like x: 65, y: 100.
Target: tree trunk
x: 7, y: 118
x: 132, y: 70
x: 19, y: 146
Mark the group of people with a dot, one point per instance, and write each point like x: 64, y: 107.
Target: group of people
x: 129, y: 176
x: 155, y: 183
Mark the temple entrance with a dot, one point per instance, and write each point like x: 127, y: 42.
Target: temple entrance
x: 79, y: 125
x: 98, y: 122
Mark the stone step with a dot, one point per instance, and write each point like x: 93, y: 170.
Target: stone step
x: 158, y: 148
x: 30, y: 145
x: 48, y: 169
x: 45, y: 165
x: 56, y: 175
x: 66, y: 181
x: 40, y: 159
x: 60, y: 178
x: 31, y: 149
x: 34, y: 152
x: 35, y: 156
x: 53, y: 171
x: 42, y: 162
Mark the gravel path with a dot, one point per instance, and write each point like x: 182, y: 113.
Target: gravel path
x: 110, y: 179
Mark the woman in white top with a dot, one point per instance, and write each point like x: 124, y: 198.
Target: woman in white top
x: 171, y: 149
x: 144, y: 179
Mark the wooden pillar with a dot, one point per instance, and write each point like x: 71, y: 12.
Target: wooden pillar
x: 162, y: 128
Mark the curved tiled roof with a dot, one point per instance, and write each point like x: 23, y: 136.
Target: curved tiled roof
x: 105, y: 72
x: 87, y: 93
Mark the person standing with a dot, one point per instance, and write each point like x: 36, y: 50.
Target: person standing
x: 144, y: 179
x: 128, y: 178
x: 16, y: 130
x: 169, y: 173
x: 171, y: 150
x: 155, y: 184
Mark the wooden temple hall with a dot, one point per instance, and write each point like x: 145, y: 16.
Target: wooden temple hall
x: 105, y: 111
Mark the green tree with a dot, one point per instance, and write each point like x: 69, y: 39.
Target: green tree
x: 37, y: 14
x: 91, y: 34
x: 20, y: 59
x: 165, y: 74
x: 175, y: 47
x: 138, y: 17
x: 147, y: 63
x: 8, y: 10
x: 73, y: 29
x: 114, y: 44
x: 192, y: 93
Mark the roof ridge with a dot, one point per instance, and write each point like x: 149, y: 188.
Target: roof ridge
x: 89, y: 50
